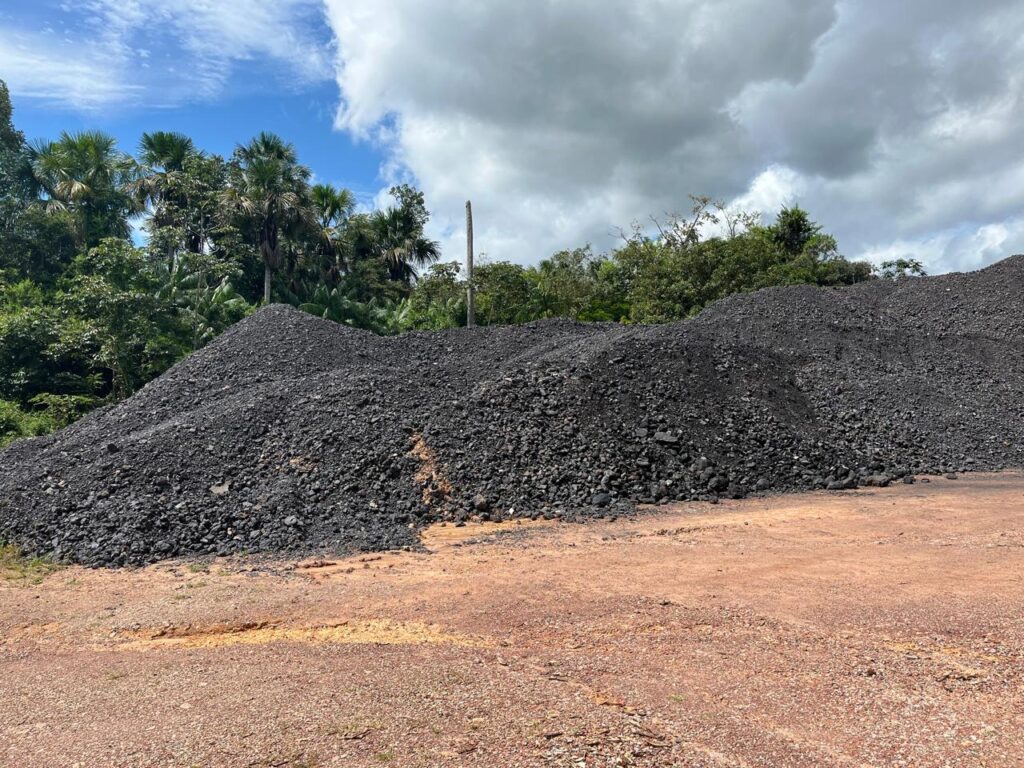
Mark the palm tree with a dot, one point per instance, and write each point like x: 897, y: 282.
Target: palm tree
x: 165, y: 149
x: 268, y: 190
x: 401, y: 244
x: 332, y: 205
x: 331, y: 209
x: 163, y: 155
x: 85, y: 174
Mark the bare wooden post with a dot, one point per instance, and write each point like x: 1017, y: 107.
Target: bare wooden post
x: 470, y: 297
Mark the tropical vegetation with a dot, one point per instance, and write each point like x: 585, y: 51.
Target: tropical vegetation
x: 115, y: 265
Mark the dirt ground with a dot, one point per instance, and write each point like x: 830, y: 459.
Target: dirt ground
x: 869, y: 628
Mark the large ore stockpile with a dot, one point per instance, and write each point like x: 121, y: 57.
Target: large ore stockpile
x: 292, y: 434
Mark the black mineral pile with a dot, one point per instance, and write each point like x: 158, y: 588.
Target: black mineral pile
x: 292, y: 434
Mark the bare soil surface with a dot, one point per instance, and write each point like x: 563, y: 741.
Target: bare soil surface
x: 869, y: 628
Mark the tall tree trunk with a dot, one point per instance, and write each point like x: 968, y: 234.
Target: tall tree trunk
x: 267, y: 274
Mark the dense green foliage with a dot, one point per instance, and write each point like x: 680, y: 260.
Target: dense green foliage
x: 650, y: 278
x: 88, y: 315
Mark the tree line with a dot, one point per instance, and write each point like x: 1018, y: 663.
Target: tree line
x: 90, y: 311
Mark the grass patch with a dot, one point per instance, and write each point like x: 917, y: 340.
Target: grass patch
x: 17, y: 567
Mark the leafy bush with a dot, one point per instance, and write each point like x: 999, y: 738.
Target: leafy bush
x: 16, y: 423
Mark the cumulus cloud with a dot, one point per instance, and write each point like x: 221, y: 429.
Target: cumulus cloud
x: 561, y: 120
x: 904, y: 136
x: 897, y: 124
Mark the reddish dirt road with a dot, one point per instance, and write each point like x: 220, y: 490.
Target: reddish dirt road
x: 871, y: 628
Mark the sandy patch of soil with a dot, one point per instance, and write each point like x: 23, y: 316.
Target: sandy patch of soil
x: 372, y: 632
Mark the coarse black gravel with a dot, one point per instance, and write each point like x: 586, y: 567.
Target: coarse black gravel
x: 292, y: 434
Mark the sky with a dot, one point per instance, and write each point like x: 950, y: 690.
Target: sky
x: 898, y: 125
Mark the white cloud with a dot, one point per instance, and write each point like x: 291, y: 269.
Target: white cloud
x: 964, y: 248
x: 162, y: 52
x: 56, y: 71
x: 212, y: 34
x: 905, y: 134
x: 772, y: 189
x: 896, y: 124
x: 559, y: 120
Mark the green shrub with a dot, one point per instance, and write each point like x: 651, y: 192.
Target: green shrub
x: 16, y: 423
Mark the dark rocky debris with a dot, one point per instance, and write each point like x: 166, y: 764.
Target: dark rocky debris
x: 292, y: 434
